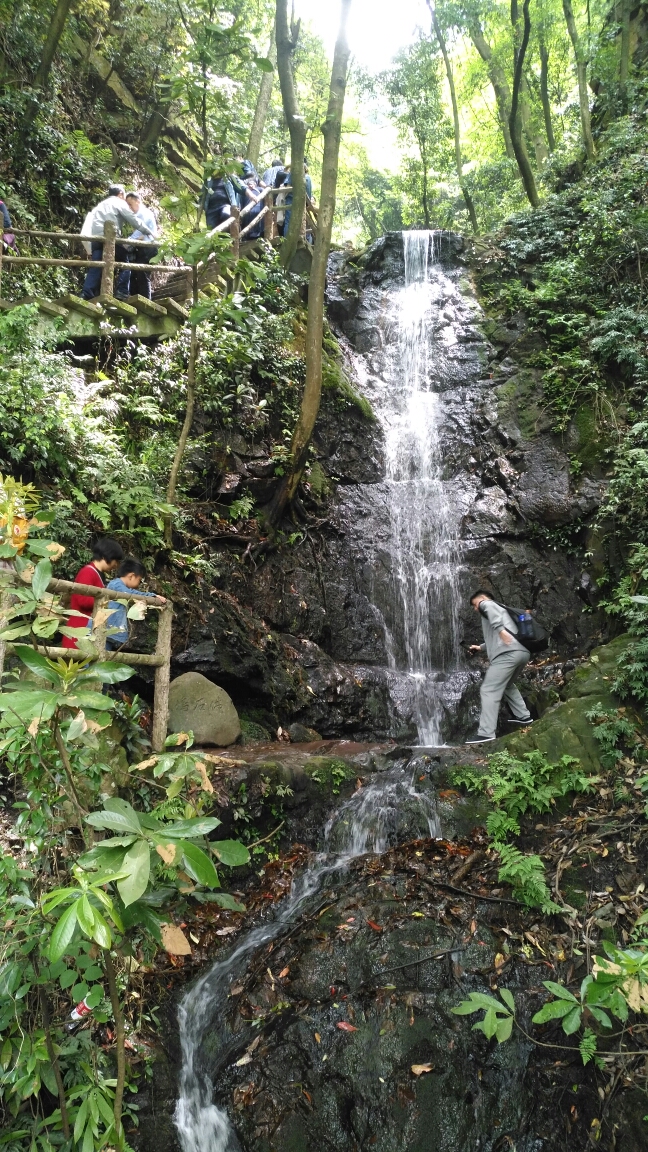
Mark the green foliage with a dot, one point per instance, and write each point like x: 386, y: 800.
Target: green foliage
x: 526, y: 875
x: 616, y: 733
x: 499, y: 1015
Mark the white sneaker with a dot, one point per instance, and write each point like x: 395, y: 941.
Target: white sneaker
x: 480, y: 740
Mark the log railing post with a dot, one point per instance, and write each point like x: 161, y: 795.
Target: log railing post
x: 162, y: 678
x: 235, y: 232
x: 99, y: 625
x: 108, y: 273
x: 1, y: 247
x: 268, y: 220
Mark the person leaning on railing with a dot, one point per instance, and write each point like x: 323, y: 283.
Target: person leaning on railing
x: 140, y: 282
x: 112, y: 210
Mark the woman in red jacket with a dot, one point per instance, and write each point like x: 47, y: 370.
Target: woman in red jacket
x: 106, y: 555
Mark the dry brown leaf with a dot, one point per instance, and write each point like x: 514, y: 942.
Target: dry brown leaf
x: 419, y: 1069
x: 167, y: 852
x: 344, y: 1027
x: 146, y: 763
x: 284, y: 972
x: 100, y: 617
x: 33, y: 727
x: 55, y: 550
x: 174, y: 940
x: 318, y: 1038
x: 206, y: 783
x: 181, y: 738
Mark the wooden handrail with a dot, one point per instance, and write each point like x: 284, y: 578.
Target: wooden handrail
x: 51, y: 261
x: 160, y: 660
x: 82, y: 236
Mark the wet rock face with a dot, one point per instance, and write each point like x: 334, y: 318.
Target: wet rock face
x: 325, y: 601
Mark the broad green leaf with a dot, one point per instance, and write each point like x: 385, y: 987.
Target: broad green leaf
x: 600, y: 1016
x: 571, y: 1023
x: 175, y: 788
x: 230, y: 852
x: 88, y: 700
x: 81, y: 1118
x: 109, y: 672
x: 264, y: 64
x: 77, y: 727
x: 183, y: 829
x: 137, y: 862
x: 560, y: 990
x: 101, y: 931
x: 139, y: 914
x: 199, y: 866
x: 58, y: 896
x: 41, y: 578
x: 507, y: 997
x: 101, y: 857
x: 504, y: 1029
x: 488, y: 1025
x: 85, y: 916
x: 225, y: 900
x: 63, y: 933
x: 28, y: 705
x: 7, y: 551
x: 10, y: 978
x: 117, y: 815
x: 79, y: 992
x: 67, y: 978
x: 95, y: 996
x: 553, y: 1011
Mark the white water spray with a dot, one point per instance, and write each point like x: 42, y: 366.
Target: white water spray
x: 372, y: 820
x: 423, y: 632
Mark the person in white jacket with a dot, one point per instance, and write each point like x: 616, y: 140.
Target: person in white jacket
x: 507, y: 657
x: 114, y: 210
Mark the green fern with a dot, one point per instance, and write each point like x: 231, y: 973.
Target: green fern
x: 526, y: 875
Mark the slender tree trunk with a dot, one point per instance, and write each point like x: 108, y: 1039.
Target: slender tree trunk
x: 581, y: 72
x: 515, y: 121
x: 188, y: 421
x: 286, y: 44
x: 544, y: 95
x: 498, y: 82
x: 53, y: 1059
x: 468, y: 200
x: 332, y: 132
x: 624, y: 61
x: 120, y: 1043
x: 262, y: 105
x: 424, y: 167
x: 52, y: 42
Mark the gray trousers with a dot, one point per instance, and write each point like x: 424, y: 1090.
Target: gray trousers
x: 498, y: 684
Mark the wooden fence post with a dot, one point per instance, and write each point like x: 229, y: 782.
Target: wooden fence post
x: 99, y: 626
x: 1, y: 246
x: 235, y: 232
x: 162, y: 679
x: 108, y: 273
x: 268, y: 220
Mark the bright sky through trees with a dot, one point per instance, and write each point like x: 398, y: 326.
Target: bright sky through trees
x: 377, y: 29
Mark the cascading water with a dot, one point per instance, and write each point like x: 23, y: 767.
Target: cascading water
x: 422, y: 626
x: 368, y: 822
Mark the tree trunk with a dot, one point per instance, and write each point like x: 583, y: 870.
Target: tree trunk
x: 188, y: 421
x: 332, y: 132
x: 468, y: 200
x: 52, y: 42
x: 515, y: 124
x: 581, y: 72
x: 498, y: 82
x: 544, y: 95
x: 262, y: 105
x: 624, y: 61
x: 424, y: 166
x: 286, y: 44
x: 120, y: 1043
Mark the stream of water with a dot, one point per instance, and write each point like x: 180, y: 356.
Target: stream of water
x: 370, y: 821
x: 421, y: 621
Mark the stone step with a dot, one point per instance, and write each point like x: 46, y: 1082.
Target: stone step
x: 51, y: 308
x: 175, y: 309
x: 149, y: 307
x: 87, y: 307
x: 112, y: 304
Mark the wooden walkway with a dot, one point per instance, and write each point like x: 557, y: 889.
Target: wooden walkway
x: 138, y: 317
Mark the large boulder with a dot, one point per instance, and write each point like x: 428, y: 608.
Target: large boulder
x: 197, y: 705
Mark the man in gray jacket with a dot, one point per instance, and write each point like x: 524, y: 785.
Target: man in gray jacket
x: 114, y: 210
x: 507, y: 658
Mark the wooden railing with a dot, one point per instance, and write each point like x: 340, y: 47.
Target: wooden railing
x: 109, y: 265
x: 160, y: 659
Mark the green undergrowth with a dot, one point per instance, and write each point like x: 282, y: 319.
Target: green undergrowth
x: 516, y: 788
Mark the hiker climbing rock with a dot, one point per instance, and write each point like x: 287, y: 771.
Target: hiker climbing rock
x: 111, y: 210
x: 507, y: 657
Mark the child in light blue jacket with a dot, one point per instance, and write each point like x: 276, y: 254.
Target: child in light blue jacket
x: 128, y: 579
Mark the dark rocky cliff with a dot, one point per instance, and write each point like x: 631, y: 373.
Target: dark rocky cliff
x: 300, y: 635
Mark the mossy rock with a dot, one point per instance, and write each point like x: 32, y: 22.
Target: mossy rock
x: 565, y: 730
x: 520, y: 400
x: 252, y: 733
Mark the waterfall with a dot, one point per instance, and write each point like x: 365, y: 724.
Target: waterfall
x: 422, y: 626
x: 372, y: 820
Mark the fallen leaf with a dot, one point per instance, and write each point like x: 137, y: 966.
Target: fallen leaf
x: 167, y: 852
x: 419, y: 1069
x: 318, y: 1038
x: 376, y: 927
x: 344, y: 1026
x: 247, y: 1059
x: 174, y: 940
x: 207, y: 785
x: 196, y: 939
x: 226, y: 932
x: 146, y: 763
x: 284, y: 972
x: 500, y: 960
